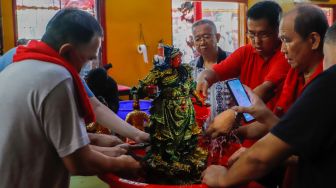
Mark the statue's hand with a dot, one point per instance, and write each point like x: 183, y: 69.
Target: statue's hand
x: 151, y: 90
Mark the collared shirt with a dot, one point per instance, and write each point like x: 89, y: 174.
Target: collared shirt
x: 253, y: 70
x: 221, y: 56
x: 293, y: 88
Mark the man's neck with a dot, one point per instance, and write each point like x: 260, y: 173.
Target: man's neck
x: 211, y: 57
x: 313, y: 64
x: 268, y: 56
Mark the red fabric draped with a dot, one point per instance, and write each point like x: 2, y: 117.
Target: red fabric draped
x: 37, y: 50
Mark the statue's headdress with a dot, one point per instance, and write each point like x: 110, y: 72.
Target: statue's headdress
x: 169, y: 52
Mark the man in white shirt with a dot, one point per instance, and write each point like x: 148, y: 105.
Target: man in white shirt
x: 42, y: 133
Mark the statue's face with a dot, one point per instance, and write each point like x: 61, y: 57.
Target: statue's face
x: 176, y: 61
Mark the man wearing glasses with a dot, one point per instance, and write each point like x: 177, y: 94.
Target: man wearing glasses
x: 259, y: 65
x: 205, y: 38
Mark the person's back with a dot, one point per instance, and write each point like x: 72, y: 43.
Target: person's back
x: 32, y: 160
x: 6, y: 59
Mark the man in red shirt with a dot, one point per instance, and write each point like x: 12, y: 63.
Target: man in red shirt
x: 305, y: 130
x: 259, y: 65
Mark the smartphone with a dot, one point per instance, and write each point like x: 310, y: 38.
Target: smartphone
x: 240, y: 96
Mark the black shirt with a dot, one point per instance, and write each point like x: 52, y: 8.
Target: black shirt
x: 309, y: 127
x: 220, y: 57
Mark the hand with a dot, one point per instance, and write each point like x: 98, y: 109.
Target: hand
x: 113, y: 151
x: 258, y: 109
x: 151, y: 90
x: 104, y: 140
x: 213, y: 175
x: 236, y: 155
x: 124, y: 146
x: 202, y: 84
x: 222, y: 124
x: 141, y: 137
x: 129, y: 167
x: 109, y: 151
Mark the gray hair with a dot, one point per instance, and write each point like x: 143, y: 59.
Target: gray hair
x: 205, y: 21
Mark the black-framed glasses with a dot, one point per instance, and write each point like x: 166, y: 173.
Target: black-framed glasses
x: 261, y: 35
x: 206, y: 37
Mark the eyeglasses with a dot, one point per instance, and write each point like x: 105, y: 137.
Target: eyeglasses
x: 261, y: 35
x: 205, y: 37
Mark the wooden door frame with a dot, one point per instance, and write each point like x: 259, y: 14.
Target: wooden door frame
x: 1, y: 31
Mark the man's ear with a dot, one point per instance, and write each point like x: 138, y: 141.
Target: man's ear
x: 315, y: 40
x: 218, y: 36
x: 65, y: 49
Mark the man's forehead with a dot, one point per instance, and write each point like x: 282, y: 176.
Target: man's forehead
x: 258, y: 24
x: 286, y: 25
x: 204, y: 26
x: 288, y: 20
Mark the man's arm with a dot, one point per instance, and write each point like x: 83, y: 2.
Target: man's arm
x: 104, y: 140
x: 65, y: 130
x: 265, y: 91
x: 205, y: 80
x: 111, y: 151
x: 255, y: 130
x: 223, y: 122
x: 109, y: 119
x: 86, y: 161
x: 253, y: 164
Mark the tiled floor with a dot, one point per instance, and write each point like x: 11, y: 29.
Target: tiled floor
x: 87, y: 182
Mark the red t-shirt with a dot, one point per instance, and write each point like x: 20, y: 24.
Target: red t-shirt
x: 252, y: 70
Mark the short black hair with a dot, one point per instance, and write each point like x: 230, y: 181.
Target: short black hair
x: 309, y: 18
x: 71, y: 25
x: 330, y: 36
x: 268, y: 10
x: 205, y: 21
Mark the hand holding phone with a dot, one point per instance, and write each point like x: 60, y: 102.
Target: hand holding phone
x: 240, y: 96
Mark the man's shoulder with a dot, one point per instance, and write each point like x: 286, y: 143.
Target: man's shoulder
x: 45, y: 68
x: 9, y: 53
x: 39, y: 72
x: 7, y: 58
x: 326, y: 78
x: 222, y: 55
x: 247, y: 47
x: 331, y: 71
x: 279, y: 56
x: 245, y: 51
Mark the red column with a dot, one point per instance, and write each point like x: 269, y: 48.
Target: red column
x: 198, y: 10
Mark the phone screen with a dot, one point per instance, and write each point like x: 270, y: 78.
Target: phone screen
x: 240, y: 96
